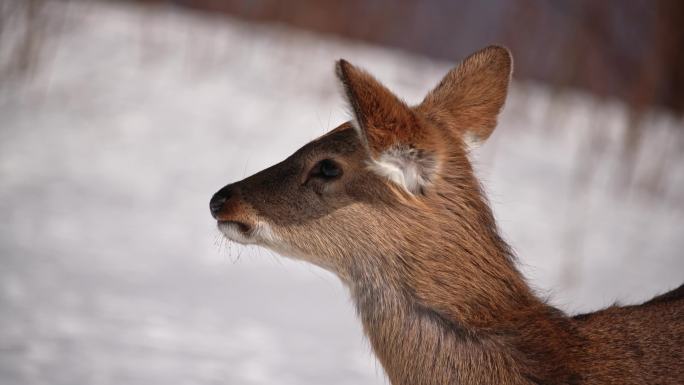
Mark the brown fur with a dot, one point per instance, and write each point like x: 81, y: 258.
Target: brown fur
x: 435, y: 286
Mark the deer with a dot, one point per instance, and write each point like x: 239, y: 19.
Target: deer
x: 389, y: 202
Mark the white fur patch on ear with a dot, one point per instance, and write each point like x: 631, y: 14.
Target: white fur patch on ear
x: 410, y: 168
x: 471, y: 141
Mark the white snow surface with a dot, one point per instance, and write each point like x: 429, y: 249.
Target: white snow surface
x: 112, y: 271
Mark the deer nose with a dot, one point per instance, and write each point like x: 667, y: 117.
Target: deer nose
x: 219, y: 199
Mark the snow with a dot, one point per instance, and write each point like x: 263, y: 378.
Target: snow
x: 113, y: 271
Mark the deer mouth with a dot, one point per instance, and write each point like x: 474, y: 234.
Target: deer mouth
x: 237, y: 231
x: 241, y: 226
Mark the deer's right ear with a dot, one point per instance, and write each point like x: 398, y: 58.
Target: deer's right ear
x: 382, y: 119
x: 389, y: 129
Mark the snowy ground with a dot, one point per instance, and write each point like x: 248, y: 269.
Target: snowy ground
x: 110, y: 271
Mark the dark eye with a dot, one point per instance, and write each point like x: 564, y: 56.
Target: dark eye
x: 327, y: 169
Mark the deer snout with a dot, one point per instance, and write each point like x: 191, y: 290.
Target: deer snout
x: 226, y: 207
x: 219, y: 200
x: 234, y: 216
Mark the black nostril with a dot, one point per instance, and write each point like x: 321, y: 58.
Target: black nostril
x: 218, y: 200
x: 216, y: 204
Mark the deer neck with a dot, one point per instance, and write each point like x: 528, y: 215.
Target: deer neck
x: 417, y: 346
x: 461, y: 317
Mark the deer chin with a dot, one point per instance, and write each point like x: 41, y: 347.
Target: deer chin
x: 237, y: 232
x: 262, y: 234
x: 259, y: 233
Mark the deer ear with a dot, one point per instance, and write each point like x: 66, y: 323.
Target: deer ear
x: 390, y: 130
x: 382, y: 119
x: 469, y: 98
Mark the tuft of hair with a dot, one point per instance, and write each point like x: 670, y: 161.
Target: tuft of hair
x: 408, y: 167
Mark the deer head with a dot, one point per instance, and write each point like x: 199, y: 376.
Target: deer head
x: 389, y: 197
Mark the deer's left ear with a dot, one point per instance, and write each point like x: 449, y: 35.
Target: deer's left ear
x: 390, y: 130
x: 469, y: 98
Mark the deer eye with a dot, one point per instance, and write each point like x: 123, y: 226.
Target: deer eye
x: 327, y: 169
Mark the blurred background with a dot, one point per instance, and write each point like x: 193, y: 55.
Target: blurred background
x: 120, y: 119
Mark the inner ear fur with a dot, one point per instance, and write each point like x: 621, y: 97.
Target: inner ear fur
x: 399, y: 146
x: 469, y: 98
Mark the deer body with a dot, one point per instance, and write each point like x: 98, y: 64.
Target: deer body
x: 389, y: 202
